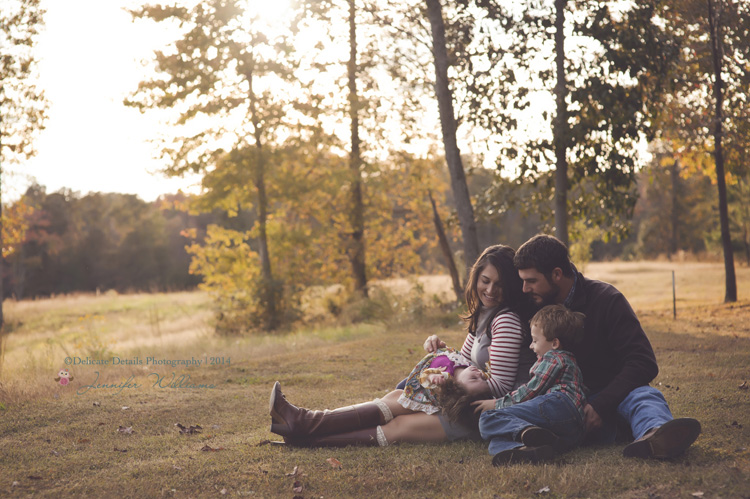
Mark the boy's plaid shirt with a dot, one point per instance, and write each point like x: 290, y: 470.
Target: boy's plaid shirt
x: 556, y: 371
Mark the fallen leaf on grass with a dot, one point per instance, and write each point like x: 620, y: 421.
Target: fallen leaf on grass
x: 294, y: 471
x: 207, y: 448
x: 125, y: 408
x: 543, y: 490
x: 298, y: 487
x: 83, y: 440
x: 178, y: 468
x: 335, y: 463
x: 743, y: 386
x: 127, y: 430
x: 15, y: 484
x: 55, y: 453
x: 697, y: 494
x: 97, y: 404
x: 120, y: 450
x: 188, y: 430
x: 223, y: 492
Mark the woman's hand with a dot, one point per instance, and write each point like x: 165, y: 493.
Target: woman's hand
x: 483, y: 405
x: 432, y: 343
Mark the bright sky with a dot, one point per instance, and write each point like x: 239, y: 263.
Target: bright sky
x: 89, y: 60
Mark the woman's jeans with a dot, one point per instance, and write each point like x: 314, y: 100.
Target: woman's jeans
x: 553, y: 411
x: 643, y: 408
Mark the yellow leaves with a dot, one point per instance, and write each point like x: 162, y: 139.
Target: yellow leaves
x: 189, y: 233
x: 15, y: 224
x: 225, y: 260
x: 309, y: 227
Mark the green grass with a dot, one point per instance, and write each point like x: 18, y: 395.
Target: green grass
x: 57, y: 443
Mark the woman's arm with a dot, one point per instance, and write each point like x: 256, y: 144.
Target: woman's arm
x: 466, y: 349
x: 505, y: 349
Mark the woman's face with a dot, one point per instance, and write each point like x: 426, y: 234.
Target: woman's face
x: 472, y: 380
x: 488, y: 286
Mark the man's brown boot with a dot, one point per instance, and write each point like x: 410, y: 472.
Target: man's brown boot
x: 666, y: 441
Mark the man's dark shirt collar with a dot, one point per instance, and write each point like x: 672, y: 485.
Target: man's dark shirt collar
x: 568, y: 303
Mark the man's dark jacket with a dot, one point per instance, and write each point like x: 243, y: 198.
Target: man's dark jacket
x: 615, y: 356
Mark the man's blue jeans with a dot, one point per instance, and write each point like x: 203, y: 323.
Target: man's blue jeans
x: 642, y: 409
x: 552, y: 411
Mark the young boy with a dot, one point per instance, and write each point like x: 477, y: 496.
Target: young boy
x: 544, y: 416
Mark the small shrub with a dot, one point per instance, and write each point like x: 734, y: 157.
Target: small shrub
x: 379, y: 306
x: 240, y: 311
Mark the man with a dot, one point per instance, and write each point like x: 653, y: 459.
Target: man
x: 615, y: 357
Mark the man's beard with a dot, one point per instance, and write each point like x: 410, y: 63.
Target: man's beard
x: 547, y: 298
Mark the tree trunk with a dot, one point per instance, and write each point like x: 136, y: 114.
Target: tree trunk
x: 726, y: 239
x: 2, y: 257
x: 674, y: 175
x: 268, y: 286
x: 445, y: 247
x: 448, y: 126
x: 3, y: 337
x: 743, y: 200
x: 357, y: 210
x: 560, y: 128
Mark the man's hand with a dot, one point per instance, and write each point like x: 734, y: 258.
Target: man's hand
x: 432, y: 343
x: 592, y: 421
x: 483, y: 405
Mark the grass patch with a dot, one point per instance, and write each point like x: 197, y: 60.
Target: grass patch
x: 59, y: 443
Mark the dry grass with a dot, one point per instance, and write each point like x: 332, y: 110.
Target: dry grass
x: 57, y: 443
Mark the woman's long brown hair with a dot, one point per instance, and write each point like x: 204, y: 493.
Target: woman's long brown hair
x: 500, y: 257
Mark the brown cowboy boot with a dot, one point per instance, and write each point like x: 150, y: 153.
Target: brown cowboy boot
x: 666, y: 441
x: 289, y: 420
x: 364, y: 437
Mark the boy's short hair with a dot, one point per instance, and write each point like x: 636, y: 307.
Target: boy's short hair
x: 544, y: 253
x: 557, y: 321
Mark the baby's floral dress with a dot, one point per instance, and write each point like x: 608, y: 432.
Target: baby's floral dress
x: 418, y: 393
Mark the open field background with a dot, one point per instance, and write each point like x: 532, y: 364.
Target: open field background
x: 60, y: 441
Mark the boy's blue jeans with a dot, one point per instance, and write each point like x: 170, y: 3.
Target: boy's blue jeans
x: 643, y: 408
x: 552, y: 411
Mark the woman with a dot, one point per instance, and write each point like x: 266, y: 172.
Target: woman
x: 495, y: 338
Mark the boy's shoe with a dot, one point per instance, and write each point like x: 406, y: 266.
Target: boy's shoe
x: 524, y: 455
x: 534, y: 436
x: 666, y: 441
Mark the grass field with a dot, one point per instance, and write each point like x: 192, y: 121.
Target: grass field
x: 119, y: 438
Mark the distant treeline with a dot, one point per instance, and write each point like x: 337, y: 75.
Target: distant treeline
x: 101, y: 242
x: 104, y: 241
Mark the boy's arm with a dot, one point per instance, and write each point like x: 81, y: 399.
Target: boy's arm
x: 545, y: 375
x: 483, y: 405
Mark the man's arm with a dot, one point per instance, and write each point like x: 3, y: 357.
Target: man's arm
x: 627, y: 345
